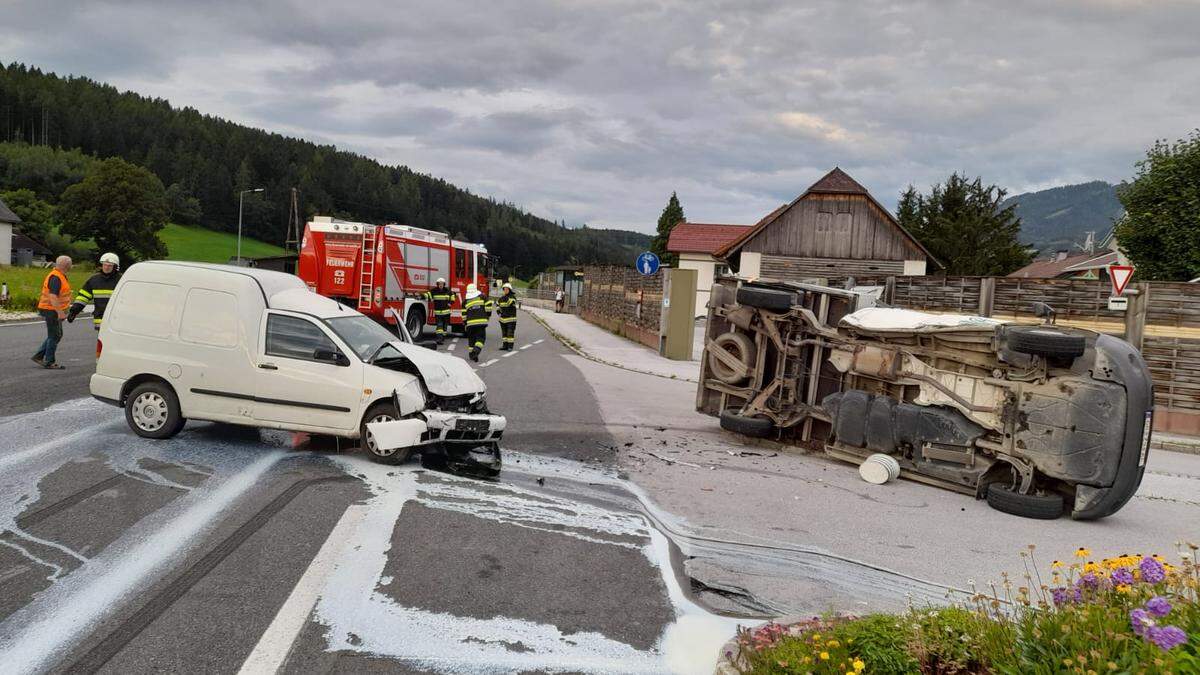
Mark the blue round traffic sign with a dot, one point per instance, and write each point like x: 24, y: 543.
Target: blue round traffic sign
x: 648, y: 263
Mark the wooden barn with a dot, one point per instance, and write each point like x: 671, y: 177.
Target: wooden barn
x: 836, y: 228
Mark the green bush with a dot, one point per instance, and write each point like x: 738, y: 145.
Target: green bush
x: 1126, y: 614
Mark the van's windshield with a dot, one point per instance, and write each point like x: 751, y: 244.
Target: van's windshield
x: 363, y: 335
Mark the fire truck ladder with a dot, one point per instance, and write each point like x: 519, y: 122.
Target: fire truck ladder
x: 367, y: 280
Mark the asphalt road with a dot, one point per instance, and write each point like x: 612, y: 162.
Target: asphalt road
x: 227, y: 548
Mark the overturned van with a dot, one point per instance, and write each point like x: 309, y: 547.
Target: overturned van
x: 1036, y: 419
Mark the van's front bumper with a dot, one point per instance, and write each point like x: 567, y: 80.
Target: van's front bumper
x: 450, y: 427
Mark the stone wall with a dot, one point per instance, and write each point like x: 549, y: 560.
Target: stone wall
x: 622, y: 301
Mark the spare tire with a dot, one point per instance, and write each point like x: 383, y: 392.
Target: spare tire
x: 766, y: 298
x: 737, y: 345
x: 1045, y: 341
x: 1003, y: 498
x: 756, y: 427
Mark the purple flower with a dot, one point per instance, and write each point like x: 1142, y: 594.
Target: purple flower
x: 1122, y: 575
x: 1089, y: 580
x: 1166, y: 637
x: 1077, y: 595
x: 1059, y: 595
x: 1158, y: 606
x: 1152, y: 571
x: 1141, y: 622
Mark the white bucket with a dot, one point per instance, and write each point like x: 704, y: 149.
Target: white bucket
x: 879, y: 469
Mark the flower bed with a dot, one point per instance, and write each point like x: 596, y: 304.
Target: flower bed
x: 1124, y: 614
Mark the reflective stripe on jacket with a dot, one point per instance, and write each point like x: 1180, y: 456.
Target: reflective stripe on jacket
x: 477, y: 310
x: 506, y: 307
x: 97, y: 291
x: 51, y: 301
x: 441, y: 298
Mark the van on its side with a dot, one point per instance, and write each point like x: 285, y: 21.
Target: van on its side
x: 229, y: 344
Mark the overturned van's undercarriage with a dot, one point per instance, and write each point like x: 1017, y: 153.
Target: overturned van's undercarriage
x: 1030, y: 417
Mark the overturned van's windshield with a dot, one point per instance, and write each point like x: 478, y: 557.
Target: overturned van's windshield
x: 363, y: 335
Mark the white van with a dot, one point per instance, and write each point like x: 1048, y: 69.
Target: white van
x: 230, y: 344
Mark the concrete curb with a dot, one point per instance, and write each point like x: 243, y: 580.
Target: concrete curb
x: 573, y: 346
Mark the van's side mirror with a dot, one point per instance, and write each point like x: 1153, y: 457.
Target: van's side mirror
x: 330, y: 356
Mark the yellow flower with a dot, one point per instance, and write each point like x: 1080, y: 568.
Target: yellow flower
x: 1091, y: 567
x: 1056, y: 564
x: 859, y: 665
x: 824, y: 656
x: 1124, y: 588
x: 831, y: 643
x: 1082, y: 552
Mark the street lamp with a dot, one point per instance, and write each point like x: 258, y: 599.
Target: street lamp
x: 241, y: 200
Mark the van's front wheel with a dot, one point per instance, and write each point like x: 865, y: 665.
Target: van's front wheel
x: 152, y: 411
x: 384, y: 411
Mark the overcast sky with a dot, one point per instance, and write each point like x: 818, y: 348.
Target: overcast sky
x: 595, y: 111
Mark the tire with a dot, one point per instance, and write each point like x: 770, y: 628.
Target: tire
x: 766, y: 298
x: 755, y: 427
x: 415, y: 322
x: 1045, y: 342
x: 152, y: 411
x: 1041, y: 507
x: 384, y: 411
x: 738, y: 345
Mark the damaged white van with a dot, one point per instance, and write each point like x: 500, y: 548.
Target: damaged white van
x: 244, y: 346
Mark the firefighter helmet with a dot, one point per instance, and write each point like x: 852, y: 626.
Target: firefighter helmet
x: 441, y: 280
x: 507, y: 287
x: 472, y: 291
x: 111, y: 258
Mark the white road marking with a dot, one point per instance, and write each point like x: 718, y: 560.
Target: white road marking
x: 524, y: 347
x: 273, y: 647
x: 451, y: 347
x: 538, y: 342
x: 20, y: 456
x: 505, y: 355
x: 485, y: 364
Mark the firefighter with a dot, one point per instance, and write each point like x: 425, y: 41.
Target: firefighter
x: 442, y: 298
x: 97, y: 290
x: 52, y: 305
x: 477, y: 308
x: 506, y: 308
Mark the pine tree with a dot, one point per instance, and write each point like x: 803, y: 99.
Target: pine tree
x: 671, y: 216
x: 962, y: 224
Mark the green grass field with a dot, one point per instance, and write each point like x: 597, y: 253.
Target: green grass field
x: 25, y: 284
x: 202, y: 245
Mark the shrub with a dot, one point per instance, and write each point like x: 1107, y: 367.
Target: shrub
x: 1124, y: 614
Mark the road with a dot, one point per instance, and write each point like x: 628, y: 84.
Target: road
x: 227, y: 548
x: 627, y: 533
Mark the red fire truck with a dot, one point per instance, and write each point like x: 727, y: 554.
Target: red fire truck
x: 384, y: 270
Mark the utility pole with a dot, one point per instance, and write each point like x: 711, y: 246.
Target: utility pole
x: 292, y: 241
x: 241, y: 201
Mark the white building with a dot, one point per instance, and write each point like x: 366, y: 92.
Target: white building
x: 8, y: 220
x: 695, y: 244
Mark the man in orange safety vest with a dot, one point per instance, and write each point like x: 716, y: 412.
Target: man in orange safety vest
x: 52, y: 305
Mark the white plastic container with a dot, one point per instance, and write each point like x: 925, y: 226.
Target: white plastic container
x: 879, y: 469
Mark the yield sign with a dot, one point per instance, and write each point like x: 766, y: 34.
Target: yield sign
x: 1119, y: 275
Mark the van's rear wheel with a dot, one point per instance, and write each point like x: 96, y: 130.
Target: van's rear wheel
x: 415, y: 322
x: 381, y: 412
x: 152, y: 411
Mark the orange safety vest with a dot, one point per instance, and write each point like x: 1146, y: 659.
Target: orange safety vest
x: 57, y: 303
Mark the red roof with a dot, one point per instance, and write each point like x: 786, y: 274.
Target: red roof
x: 702, y: 237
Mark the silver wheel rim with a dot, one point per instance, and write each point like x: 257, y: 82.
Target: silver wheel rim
x: 150, y: 411
x: 370, y: 440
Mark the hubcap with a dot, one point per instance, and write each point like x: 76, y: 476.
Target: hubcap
x: 149, y: 411
x: 370, y: 440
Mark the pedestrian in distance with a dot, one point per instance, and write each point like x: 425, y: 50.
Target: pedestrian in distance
x: 97, y: 290
x: 441, y: 298
x: 477, y: 309
x: 558, y: 300
x: 506, y: 309
x: 52, y: 305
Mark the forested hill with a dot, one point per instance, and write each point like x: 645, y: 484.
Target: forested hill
x: 212, y: 159
x: 1060, y: 217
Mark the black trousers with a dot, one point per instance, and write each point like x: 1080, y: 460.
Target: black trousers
x: 476, y: 336
x: 508, y: 329
x: 443, y: 324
